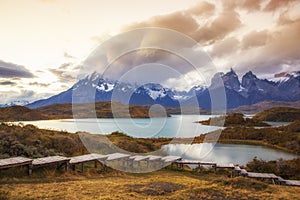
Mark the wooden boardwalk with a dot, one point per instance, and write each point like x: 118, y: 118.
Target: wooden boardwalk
x: 85, y: 159
x: 39, y: 162
x: 60, y: 161
x: 117, y: 156
x: 16, y: 162
x: 292, y: 182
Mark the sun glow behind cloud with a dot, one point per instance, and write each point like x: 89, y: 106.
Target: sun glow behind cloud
x: 51, y: 38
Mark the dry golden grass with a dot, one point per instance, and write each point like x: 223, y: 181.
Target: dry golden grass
x: 164, y: 184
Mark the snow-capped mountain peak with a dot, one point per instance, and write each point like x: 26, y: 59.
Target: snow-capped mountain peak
x: 15, y: 103
x: 284, y: 76
x: 154, y: 90
x: 250, y: 90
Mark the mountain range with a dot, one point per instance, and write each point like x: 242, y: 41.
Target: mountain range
x: 14, y: 103
x: 245, y: 91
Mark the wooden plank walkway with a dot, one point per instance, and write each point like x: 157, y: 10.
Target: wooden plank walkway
x: 87, y: 158
x: 60, y: 161
x: 138, y: 158
x: 49, y: 160
x: 237, y: 168
x: 195, y: 162
x: 154, y: 158
x: 14, y: 162
x: 93, y: 157
x: 292, y: 182
x: 261, y: 175
x: 243, y: 172
x: 168, y: 159
x: 52, y: 160
x: 225, y: 166
x: 117, y: 156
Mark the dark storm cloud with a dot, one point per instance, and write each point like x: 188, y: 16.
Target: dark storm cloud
x: 11, y: 70
x: 10, y: 83
x: 39, y: 84
x: 62, y: 75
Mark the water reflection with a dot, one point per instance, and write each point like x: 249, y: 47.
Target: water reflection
x: 225, y: 153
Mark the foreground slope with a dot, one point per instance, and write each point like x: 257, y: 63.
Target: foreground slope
x: 87, y: 110
x: 279, y: 114
x: 163, y: 184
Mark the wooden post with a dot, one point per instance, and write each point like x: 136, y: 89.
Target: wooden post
x: 67, y: 166
x: 95, y: 163
x: 273, y: 181
x: 82, y: 167
x: 104, y: 165
x: 29, y: 169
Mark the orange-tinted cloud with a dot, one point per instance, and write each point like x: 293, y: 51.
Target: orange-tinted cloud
x: 184, y: 22
x: 281, y: 49
x: 277, y: 4
x: 202, y: 9
x: 225, y: 23
x: 179, y: 21
x: 225, y: 32
x: 255, y: 39
x: 225, y: 47
x: 251, y: 5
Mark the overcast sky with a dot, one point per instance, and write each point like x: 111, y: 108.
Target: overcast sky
x: 45, y: 43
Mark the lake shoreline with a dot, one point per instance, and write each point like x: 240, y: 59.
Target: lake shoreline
x: 195, y: 140
x: 256, y: 143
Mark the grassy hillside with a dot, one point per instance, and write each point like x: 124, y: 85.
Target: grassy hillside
x: 30, y: 141
x: 20, y: 113
x: 163, y: 184
x: 102, y: 109
x: 286, y: 138
x: 234, y: 119
x: 279, y: 114
x: 88, y: 110
x: 255, y: 108
x: 49, y: 183
x: 33, y: 142
x: 287, y: 169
